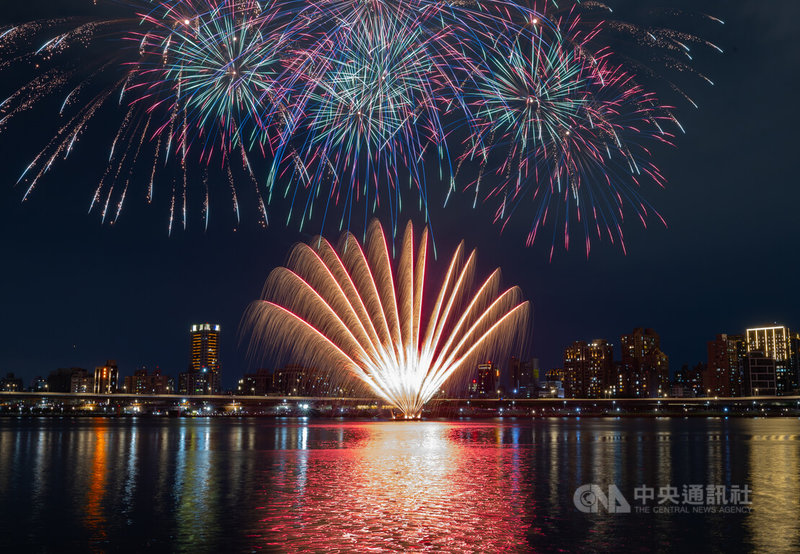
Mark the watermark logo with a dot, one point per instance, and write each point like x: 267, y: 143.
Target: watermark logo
x: 590, y: 498
x: 686, y: 499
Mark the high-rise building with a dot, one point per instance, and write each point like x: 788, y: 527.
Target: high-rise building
x: 524, y: 377
x: 760, y: 377
x: 106, y: 378
x: 587, y: 368
x: 723, y: 376
x: 775, y: 342
x: 617, y: 385
x: 794, y: 360
x: 644, y: 366
x: 203, y: 375
x: 485, y: 382
x: 205, y: 347
x: 488, y: 378
x: 737, y: 350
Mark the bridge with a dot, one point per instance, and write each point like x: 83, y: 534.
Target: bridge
x: 66, y: 404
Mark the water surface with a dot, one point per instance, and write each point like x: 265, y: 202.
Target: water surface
x: 206, y: 485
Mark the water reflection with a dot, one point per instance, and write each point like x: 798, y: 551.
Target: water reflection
x: 406, y: 487
x: 776, y: 488
x: 298, y: 485
x: 95, y: 515
x: 195, y: 487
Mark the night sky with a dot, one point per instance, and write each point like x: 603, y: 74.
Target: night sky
x: 74, y: 292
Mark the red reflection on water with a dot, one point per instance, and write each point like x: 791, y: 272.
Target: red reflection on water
x: 407, y: 487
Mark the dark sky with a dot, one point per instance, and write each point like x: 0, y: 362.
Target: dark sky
x: 74, y: 292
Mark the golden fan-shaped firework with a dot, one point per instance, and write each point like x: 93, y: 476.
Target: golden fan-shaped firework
x: 347, y: 310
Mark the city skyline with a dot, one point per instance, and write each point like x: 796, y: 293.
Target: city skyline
x: 602, y: 360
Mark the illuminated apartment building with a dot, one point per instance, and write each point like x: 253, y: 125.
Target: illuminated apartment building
x: 645, y: 368
x: 205, y: 347
x: 776, y: 342
x: 723, y: 376
x: 203, y: 376
x: 587, y: 369
x: 106, y: 378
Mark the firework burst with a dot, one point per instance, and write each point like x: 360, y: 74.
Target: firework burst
x: 644, y: 50
x: 369, y: 115
x: 349, y: 311
x: 200, y: 81
x: 567, y: 130
x: 215, y: 65
x: 350, y: 105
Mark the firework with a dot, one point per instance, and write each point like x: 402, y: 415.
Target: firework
x: 348, y: 311
x: 568, y: 130
x: 352, y: 106
x: 215, y: 65
x: 647, y: 51
x: 200, y: 82
x: 369, y: 117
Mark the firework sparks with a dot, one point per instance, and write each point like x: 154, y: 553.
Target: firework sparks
x: 202, y: 82
x: 369, y: 112
x: 353, y: 105
x: 568, y: 130
x: 217, y: 64
x: 346, y: 310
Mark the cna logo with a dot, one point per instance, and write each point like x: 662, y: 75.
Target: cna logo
x: 589, y: 498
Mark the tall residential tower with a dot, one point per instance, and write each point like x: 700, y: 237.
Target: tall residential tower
x: 588, y: 368
x: 644, y: 364
x: 203, y: 376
